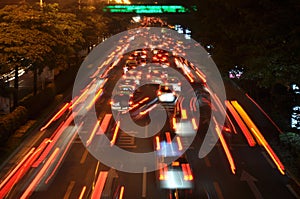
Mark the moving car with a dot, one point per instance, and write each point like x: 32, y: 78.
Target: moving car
x: 120, y: 102
x: 165, y: 94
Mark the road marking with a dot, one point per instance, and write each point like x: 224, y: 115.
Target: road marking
x: 207, y: 162
x: 245, y: 176
x: 290, y: 188
x: 69, y: 190
x: 83, y: 157
x: 144, y: 188
x: 268, y: 160
x: 218, y: 190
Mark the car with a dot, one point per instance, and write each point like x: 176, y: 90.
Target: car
x: 120, y: 102
x: 126, y: 89
x: 176, y: 175
x: 167, y: 144
x: 165, y: 94
x: 183, y: 122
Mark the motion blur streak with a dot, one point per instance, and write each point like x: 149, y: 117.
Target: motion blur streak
x: 57, y: 134
x: 63, y: 155
x: 94, y: 99
x: 270, y: 151
x: 112, y: 142
x: 168, y: 137
x: 179, y: 143
x: 79, y: 99
x: 82, y: 192
x: 41, y: 148
x: 261, y: 140
x: 201, y: 77
x: 39, y: 176
x: 225, y: 147
x: 99, y: 185
x: 7, y: 184
x: 56, y: 116
x: 264, y: 113
x: 121, y: 193
x: 241, y: 124
x: 194, y: 124
x: 157, y: 143
x: 104, y: 124
x: 89, y: 141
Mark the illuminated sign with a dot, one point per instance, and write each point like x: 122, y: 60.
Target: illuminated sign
x: 146, y: 9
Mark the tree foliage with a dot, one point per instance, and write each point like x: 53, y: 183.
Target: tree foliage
x: 260, y: 35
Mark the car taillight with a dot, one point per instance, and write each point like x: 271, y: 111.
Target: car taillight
x: 187, y: 173
x: 163, y: 171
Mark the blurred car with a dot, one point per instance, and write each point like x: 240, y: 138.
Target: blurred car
x: 182, y: 122
x: 120, y: 102
x: 167, y: 144
x: 177, y: 175
x: 165, y: 94
x: 126, y: 89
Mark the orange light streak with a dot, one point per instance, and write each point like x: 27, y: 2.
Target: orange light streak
x: 174, y: 123
x: 241, y: 124
x: 78, y: 99
x: 148, y: 110
x: 194, y: 124
x: 58, y: 132
x: 113, y: 141
x: 191, y: 104
x: 199, y: 71
x: 225, y: 147
x: 179, y: 143
x: 63, y: 155
x: 189, y: 171
x: 185, y: 173
x: 82, y: 192
x: 89, y: 141
x: 94, y: 99
x: 157, y: 143
x: 270, y: 151
x: 257, y: 134
x: 201, y: 77
x: 121, y: 192
x: 7, y: 184
x: 40, y: 175
x: 194, y: 104
x: 104, y: 124
x: 99, y: 185
x: 190, y: 78
x: 56, y: 116
x: 168, y: 137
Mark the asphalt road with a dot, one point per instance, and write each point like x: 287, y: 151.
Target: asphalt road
x: 77, y: 170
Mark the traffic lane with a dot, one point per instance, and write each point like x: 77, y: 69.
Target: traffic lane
x: 213, y: 178
x: 263, y: 123
x: 216, y: 175
x: 255, y: 167
x: 76, y: 171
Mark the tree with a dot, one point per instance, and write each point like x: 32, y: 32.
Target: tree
x: 44, y: 37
